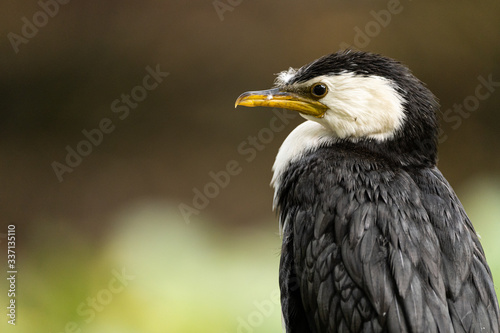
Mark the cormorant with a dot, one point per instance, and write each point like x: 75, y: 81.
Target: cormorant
x: 374, y: 237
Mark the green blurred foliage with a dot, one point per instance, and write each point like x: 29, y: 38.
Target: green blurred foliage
x: 180, y: 277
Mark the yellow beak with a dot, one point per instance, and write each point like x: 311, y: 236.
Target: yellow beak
x: 275, y: 98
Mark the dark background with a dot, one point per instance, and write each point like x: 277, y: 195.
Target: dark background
x: 119, y: 207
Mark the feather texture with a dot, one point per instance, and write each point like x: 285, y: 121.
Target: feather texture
x: 372, y: 246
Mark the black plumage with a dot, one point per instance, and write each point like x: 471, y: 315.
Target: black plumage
x: 370, y: 246
x: 374, y: 237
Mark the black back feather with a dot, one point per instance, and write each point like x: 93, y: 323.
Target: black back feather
x: 378, y: 248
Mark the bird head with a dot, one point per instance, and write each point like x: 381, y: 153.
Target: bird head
x: 363, y: 98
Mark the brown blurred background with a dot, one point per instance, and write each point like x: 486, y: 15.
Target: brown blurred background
x: 64, y: 79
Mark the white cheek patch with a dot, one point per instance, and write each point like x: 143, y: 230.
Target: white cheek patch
x: 361, y: 107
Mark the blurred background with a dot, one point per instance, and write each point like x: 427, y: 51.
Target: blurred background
x: 116, y: 174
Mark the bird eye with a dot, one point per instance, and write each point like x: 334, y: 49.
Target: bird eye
x: 319, y: 89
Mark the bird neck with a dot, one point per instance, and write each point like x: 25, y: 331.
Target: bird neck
x: 399, y: 151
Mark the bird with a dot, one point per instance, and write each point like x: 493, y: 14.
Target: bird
x: 374, y: 238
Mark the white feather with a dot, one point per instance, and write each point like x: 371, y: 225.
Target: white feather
x: 285, y: 76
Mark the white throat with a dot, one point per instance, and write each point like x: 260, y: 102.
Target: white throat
x: 304, y: 138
